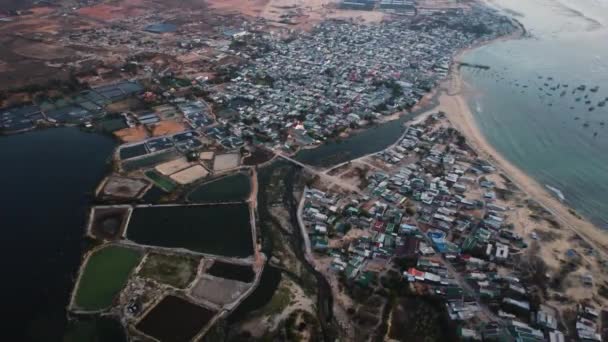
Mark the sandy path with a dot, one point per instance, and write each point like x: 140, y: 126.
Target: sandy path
x: 458, y: 112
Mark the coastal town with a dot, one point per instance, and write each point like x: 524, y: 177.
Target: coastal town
x: 208, y: 196
x: 452, y: 226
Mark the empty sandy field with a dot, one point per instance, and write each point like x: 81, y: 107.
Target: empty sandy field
x: 124, y: 187
x: 190, y: 174
x: 173, y: 166
x: 131, y: 134
x: 219, y: 291
x: 167, y: 127
x: 223, y: 162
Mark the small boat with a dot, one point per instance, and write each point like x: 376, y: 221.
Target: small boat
x: 601, y: 103
x: 591, y: 109
x: 581, y: 87
x: 594, y: 89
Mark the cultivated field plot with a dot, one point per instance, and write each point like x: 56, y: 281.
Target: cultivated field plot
x: 227, y: 189
x: 175, y: 320
x: 108, y: 223
x: 226, y: 161
x: 218, y: 290
x: 103, y: 276
x: 123, y: 187
x: 213, y: 229
x: 189, y: 175
x: 175, y: 270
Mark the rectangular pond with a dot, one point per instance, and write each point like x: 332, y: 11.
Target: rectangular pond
x: 213, y: 229
x: 175, y: 319
x: 227, y: 189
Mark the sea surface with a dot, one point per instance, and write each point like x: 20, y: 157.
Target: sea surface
x: 47, y: 181
x: 529, y: 105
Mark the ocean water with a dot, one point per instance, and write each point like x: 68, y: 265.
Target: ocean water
x: 529, y: 105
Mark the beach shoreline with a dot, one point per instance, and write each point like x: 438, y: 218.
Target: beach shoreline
x: 453, y: 103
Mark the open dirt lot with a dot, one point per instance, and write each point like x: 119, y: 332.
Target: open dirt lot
x: 227, y: 161
x: 37, y: 50
x: 190, y: 174
x: 131, y: 134
x: 124, y: 187
x: 218, y: 290
x: 115, y: 11
x: 303, y: 14
x: 167, y: 127
x: 172, y: 166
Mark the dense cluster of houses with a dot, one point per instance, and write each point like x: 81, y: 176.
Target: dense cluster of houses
x: 437, y: 209
x: 314, y: 85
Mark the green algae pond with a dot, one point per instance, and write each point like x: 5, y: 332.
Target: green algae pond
x: 222, y: 229
x: 226, y: 189
x: 161, y: 181
x: 104, y: 275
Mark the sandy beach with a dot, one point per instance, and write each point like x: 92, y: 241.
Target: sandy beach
x: 452, y: 101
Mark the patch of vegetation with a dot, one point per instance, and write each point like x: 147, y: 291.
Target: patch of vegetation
x: 174, y: 270
x: 301, y: 326
x: 574, y: 213
x: 603, y: 290
x: 548, y: 236
x: 418, y: 319
x: 104, y: 275
x: 280, y: 300
x: 161, y: 181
